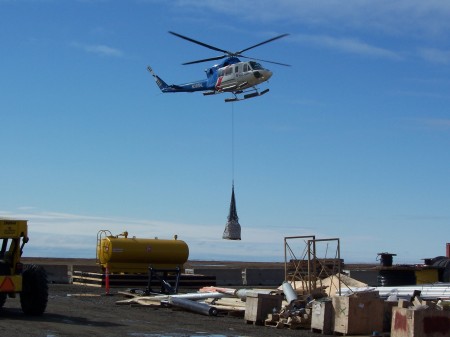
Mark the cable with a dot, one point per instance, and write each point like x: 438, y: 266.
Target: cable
x: 232, y: 142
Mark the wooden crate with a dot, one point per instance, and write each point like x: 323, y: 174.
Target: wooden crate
x: 420, y: 323
x: 358, y: 314
x: 387, y: 317
x: 258, y: 306
x: 322, y: 317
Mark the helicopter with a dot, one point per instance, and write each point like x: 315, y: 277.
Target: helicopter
x: 240, y: 78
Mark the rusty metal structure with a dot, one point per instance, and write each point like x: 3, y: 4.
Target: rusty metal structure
x: 312, y: 265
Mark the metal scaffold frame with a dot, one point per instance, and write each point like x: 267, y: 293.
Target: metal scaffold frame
x: 310, y: 275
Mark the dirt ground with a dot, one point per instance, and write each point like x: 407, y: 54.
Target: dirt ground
x: 77, y: 310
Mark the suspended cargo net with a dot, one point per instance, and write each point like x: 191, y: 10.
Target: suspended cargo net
x: 232, y: 228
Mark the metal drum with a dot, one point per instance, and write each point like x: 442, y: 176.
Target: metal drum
x: 122, y: 254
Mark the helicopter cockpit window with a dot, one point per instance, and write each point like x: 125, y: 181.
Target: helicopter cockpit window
x: 255, y: 65
x: 245, y: 67
x: 229, y: 71
x: 220, y: 72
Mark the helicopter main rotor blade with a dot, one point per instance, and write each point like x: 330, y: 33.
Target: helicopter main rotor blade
x: 226, y: 52
x: 205, y: 60
x: 261, y: 43
x: 200, y: 43
x: 273, y: 62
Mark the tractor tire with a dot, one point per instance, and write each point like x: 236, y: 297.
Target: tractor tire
x: 2, y: 299
x: 34, y: 295
x: 4, y: 270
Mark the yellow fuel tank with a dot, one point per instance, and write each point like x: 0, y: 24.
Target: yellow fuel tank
x: 122, y: 254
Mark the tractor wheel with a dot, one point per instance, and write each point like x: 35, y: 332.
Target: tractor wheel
x: 2, y: 299
x: 4, y: 270
x: 34, y: 295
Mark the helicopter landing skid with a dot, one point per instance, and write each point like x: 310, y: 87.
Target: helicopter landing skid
x: 247, y: 96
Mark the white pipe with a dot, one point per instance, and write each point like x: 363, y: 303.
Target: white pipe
x: 427, y: 291
x: 289, y: 292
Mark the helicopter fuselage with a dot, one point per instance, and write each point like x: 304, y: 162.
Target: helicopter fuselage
x: 232, y: 75
x: 241, y: 76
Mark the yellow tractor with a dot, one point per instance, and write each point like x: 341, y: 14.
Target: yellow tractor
x: 29, y: 281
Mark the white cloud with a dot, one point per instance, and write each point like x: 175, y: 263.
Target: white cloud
x: 99, y: 49
x: 431, y: 17
x: 427, y: 94
x: 429, y: 124
x: 54, y: 234
x: 348, y: 45
x: 438, y: 123
x: 435, y: 55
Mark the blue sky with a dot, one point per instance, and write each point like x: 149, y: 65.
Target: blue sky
x: 351, y: 142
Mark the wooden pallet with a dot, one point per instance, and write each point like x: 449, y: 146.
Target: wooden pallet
x: 191, y: 281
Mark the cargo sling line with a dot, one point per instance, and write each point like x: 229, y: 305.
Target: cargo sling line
x: 232, y: 228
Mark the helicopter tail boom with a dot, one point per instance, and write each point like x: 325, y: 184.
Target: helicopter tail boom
x: 187, y: 87
x: 161, y: 84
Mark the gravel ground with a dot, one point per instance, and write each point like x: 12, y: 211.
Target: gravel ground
x: 76, y: 310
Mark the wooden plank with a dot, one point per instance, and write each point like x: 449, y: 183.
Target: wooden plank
x: 139, y: 280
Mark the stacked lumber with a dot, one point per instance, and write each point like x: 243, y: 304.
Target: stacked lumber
x: 300, y: 319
